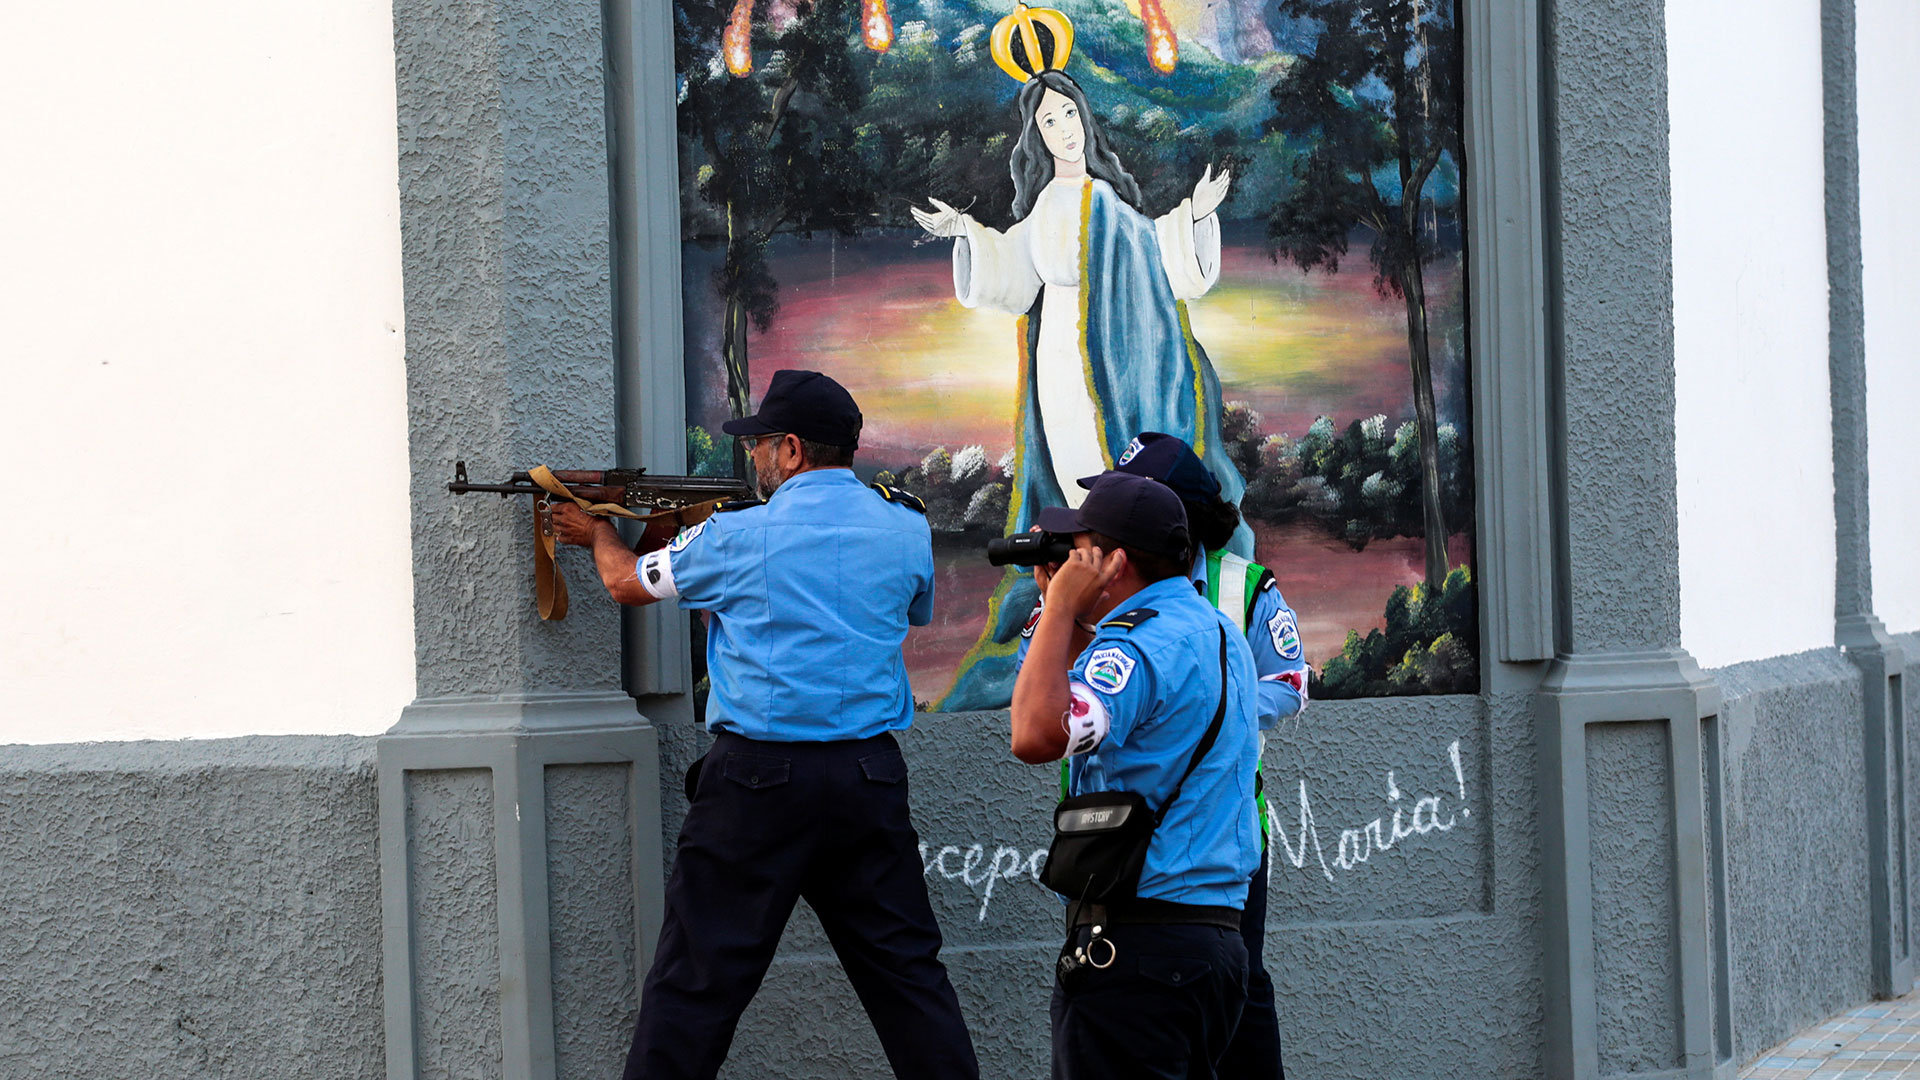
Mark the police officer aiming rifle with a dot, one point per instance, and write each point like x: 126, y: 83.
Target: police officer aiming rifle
x: 804, y: 792
x: 1150, y: 691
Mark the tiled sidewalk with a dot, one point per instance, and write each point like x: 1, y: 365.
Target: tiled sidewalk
x: 1880, y: 1040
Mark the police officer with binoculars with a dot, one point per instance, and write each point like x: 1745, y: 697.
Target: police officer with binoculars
x: 1248, y: 595
x: 1150, y: 691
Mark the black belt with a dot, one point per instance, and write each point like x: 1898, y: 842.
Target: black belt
x: 1145, y: 911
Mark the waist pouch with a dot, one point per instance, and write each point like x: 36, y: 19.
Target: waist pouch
x: 1099, y: 846
x: 1100, y: 839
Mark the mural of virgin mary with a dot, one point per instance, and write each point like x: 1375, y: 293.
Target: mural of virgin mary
x: 1104, y: 344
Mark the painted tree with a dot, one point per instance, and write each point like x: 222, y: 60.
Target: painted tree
x: 1374, y: 105
x: 792, y: 167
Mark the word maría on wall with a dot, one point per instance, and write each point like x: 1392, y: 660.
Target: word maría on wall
x: 1411, y: 819
x: 970, y: 866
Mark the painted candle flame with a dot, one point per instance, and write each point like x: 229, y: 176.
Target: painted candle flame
x: 736, y: 43
x: 1163, y: 49
x: 876, y: 25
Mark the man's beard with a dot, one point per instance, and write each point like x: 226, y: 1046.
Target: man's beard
x: 767, y: 482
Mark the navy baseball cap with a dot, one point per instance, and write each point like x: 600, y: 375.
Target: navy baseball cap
x: 1168, y: 459
x: 1134, y: 510
x: 804, y: 403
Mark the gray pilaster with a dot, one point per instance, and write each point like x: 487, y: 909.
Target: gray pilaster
x: 507, y: 245
x: 651, y: 373
x: 1508, y: 292
x: 1856, y: 629
x: 435, y: 856
x: 1637, y: 971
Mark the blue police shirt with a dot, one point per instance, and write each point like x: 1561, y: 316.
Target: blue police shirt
x: 1143, y: 696
x: 811, y: 594
x: 1273, y: 632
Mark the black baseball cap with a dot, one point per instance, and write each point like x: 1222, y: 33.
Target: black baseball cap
x: 1157, y: 455
x: 804, y: 403
x: 1138, y: 512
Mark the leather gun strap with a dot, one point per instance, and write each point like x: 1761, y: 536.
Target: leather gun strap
x: 543, y: 476
x: 549, y: 587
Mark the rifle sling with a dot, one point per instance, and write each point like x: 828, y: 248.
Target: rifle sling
x: 549, y: 585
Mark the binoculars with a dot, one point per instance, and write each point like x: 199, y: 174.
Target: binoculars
x: 1029, y: 549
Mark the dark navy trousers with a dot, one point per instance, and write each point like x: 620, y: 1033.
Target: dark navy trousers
x: 772, y: 823
x: 1254, y: 1053
x: 1163, y: 1010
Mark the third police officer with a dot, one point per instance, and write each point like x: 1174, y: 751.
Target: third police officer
x: 1247, y: 594
x: 1150, y: 691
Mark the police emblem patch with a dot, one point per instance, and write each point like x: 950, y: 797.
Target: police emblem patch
x: 1108, y: 670
x: 687, y: 536
x: 1286, y: 634
x: 1133, y: 449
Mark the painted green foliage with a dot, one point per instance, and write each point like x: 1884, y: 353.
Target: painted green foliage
x: 1427, y: 647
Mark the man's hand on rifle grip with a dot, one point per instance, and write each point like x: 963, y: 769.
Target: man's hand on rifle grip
x: 619, y: 569
x: 572, y: 525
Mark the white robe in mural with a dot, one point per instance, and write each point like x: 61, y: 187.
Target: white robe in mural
x: 1041, y: 255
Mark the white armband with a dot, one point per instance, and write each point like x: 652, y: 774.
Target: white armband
x: 1086, y: 719
x: 656, y: 575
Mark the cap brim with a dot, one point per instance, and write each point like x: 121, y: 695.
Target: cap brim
x: 749, y: 425
x: 1087, y: 481
x: 1060, y: 519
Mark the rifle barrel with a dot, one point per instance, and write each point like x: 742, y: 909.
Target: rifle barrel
x: 504, y: 489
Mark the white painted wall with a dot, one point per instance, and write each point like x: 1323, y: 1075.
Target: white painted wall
x: 1753, y: 443
x: 1890, y: 244
x: 204, y: 424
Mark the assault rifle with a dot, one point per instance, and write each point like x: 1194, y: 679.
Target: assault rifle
x: 666, y: 504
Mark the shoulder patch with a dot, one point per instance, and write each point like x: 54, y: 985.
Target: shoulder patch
x: 1286, y: 634
x: 1127, y: 620
x: 901, y: 497
x: 687, y: 536
x: 738, y: 504
x: 1109, y: 670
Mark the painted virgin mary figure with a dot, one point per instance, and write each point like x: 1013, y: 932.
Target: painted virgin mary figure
x: 1105, y: 348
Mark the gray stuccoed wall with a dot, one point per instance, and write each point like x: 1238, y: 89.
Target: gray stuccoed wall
x: 1910, y: 691
x: 514, y: 919
x: 190, y: 909
x: 1796, y: 843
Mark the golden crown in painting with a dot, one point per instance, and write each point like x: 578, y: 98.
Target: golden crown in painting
x: 1032, y: 40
